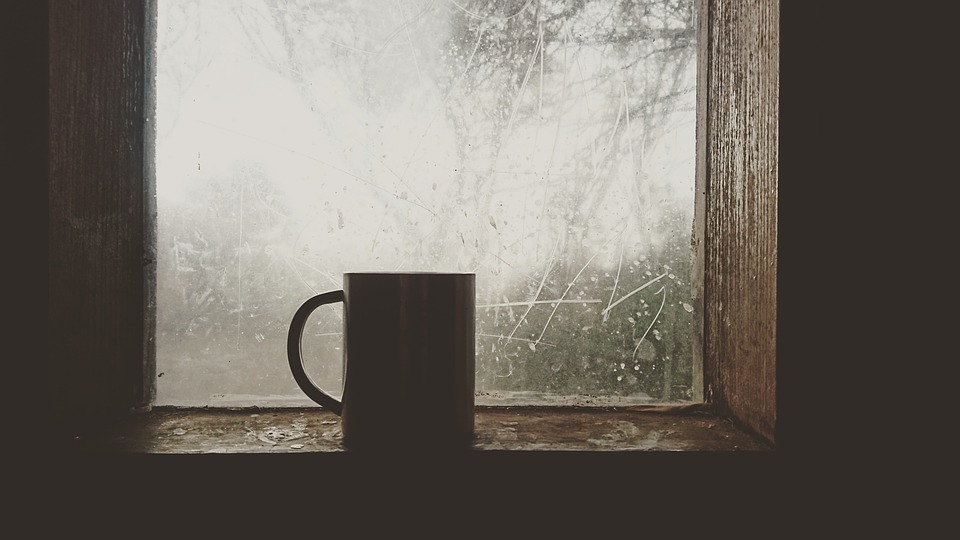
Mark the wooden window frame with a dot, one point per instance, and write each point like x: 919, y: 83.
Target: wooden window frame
x: 102, y: 212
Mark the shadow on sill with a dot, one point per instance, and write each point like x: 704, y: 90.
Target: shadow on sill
x: 512, y: 429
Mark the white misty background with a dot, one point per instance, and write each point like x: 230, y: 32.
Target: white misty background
x: 547, y: 146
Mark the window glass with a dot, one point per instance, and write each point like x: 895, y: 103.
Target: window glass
x: 547, y: 145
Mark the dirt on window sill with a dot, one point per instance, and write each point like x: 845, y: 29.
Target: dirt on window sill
x: 314, y: 430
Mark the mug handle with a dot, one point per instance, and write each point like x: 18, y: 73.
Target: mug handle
x: 295, y: 355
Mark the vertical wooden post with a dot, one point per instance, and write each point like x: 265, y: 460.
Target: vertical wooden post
x: 738, y: 174
x: 96, y: 210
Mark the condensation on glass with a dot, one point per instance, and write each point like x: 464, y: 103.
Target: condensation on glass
x: 546, y: 145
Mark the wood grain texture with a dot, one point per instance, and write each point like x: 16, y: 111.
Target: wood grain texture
x: 740, y: 175
x: 96, y: 199
x: 314, y: 430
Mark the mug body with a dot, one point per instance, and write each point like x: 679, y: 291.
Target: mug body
x: 409, y: 359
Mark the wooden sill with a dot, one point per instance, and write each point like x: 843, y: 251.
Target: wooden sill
x: 314, y: 430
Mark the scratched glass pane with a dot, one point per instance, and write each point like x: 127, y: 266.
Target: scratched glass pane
x: 546, y: 145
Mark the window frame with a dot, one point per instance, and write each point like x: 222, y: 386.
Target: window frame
x: 102, y: 238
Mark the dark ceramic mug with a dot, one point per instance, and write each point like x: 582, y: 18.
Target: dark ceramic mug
x: 408, y: 358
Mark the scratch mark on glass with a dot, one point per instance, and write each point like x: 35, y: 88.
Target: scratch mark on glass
x: 523, y: 85
x: 405, y: 25
x: 632, y: 160
x: 506, y: 304
x: 574, y: 280
x: 409, y: 254
x: 617, y: 280
x: 406, y: 33
x: 606, y: 312
x: 507, y: 338
x: 540, y: 97
x: 336, y: 282
x: 443, y: 104
x: 553, y: 148
x: 490, y: 18
x: 240, y: 266
x: 657, y: 316
x: 540, y: 288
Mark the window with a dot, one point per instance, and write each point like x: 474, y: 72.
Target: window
x: 100, y: 243
x: 548, y: 146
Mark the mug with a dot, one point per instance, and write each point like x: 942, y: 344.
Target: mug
x: 408, y: 358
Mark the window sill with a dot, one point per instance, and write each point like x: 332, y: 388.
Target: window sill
x: 283, y: 431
